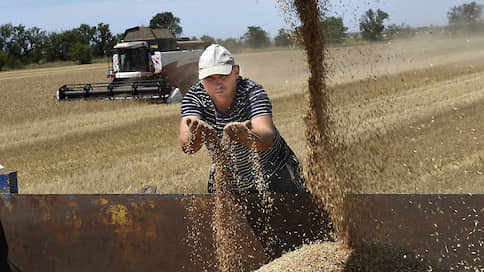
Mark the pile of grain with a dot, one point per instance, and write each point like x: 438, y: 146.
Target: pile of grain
x: 336, y: 256
x: 323, y: 256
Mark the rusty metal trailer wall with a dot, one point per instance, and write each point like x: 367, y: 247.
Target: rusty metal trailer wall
x: 174, y: 232
x: 145, y: 232
x: 446, y: 229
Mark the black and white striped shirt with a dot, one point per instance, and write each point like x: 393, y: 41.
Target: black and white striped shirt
x: 250, y: 102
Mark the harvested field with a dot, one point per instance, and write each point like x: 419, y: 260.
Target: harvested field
x: 427, y: 98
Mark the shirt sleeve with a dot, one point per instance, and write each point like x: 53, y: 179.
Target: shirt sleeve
x: 259, y: 102
x: 191, y: 105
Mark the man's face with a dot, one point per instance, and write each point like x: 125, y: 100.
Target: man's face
x: 222, y: 88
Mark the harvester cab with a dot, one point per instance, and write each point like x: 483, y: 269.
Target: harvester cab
x: 133, y: 60
x: 148, y: 63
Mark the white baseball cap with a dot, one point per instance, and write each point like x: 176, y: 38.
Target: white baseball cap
x: 215, y: 60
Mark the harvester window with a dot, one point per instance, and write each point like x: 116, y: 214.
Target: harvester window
x: 134, y: 60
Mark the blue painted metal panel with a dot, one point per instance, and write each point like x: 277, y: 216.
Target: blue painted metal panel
x: 8, y: 182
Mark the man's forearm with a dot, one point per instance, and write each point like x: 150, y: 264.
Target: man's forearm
x: 258, y: 142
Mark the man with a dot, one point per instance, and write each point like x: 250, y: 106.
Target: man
x: 224, y: 102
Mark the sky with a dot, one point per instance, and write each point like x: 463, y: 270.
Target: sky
x: 216, y: 18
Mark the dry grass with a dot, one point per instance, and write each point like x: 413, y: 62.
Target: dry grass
x: 429, y: 101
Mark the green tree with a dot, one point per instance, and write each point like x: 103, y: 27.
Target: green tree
x: 81, y: 53
x: 334, y: 30
x: 82, y: 35
x: 283, y: 38
x: 18, y: 45
x: 86, y: 33
x: 37, y: 40
x: 3, y: 59
x: 103, y: 40
x: 371, y: 24
x: 465, y: 15
x: 6, y: 31
x: 68, y: 39
x: 10, y: 61
x: 255, y: 37
x: 54, y: 47
x: 207, y: 38
x: 118, y: 37
x: 167, y: 20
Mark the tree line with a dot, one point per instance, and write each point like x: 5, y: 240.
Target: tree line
x: 20, y: 45
x: 463, y: 18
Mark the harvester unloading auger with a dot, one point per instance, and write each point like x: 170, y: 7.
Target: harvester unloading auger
x: 149, y: 63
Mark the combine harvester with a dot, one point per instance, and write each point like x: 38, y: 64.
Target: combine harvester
x: 154, y: 232
x: 148, y: 63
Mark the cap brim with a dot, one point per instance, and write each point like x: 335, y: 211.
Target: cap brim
x: 217, y: 70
